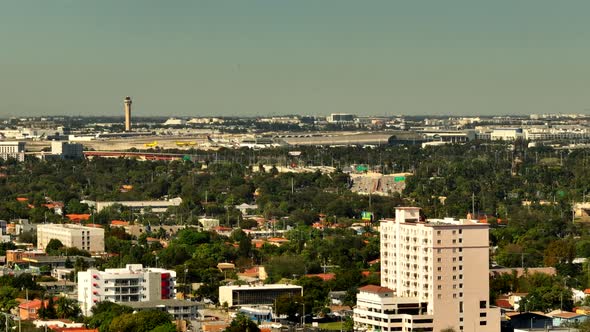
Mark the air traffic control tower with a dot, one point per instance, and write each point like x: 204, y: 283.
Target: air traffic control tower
x: 127, y: 102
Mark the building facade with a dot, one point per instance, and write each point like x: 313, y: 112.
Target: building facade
x: 378, y: 309
x: 86, y: 238
x: 67, y: 150
x: 256, y: 295
x: 441, y: 262
x: 12, y: 149
x: 134, y: 283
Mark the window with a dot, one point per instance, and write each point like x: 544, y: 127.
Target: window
x: 460, y: 231
x: 437, y: 241
x: 439, y: 278
x: 482, y: 314
x: 439, y: 250
x: 439, y: 259
x: 461, y: 309
x: 439, y: 287
x: 439, y: 268
x: 437, y: 232
x: 483, y: 322
x: 482, y: 304
x: 461, y: 267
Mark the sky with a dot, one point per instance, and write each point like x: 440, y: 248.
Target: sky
x: 274, y: 57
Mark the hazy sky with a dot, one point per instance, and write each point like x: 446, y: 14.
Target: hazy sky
x: 246, y: 57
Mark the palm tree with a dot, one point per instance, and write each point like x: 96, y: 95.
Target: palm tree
x: 67, y: 308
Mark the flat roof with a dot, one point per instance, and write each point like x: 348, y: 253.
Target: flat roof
x: 263, y: 287
x: 55, y: 259
x: 167, y: 303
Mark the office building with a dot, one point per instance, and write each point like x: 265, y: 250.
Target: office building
x: 12, y: 149
x: 178, y: 309
x: 86, y: 238
x: 340, y: 118
x: 67, y: 150
x: 256, y: 295
x: 127, y: 105
x: 442, y: 263
x: 134, y: 283
x: 379, y: 309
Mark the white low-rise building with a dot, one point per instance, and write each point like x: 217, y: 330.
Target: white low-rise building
x: 74, y: 236
x: 134, y: 283
x: 377, y: 309
x: 12, y: 149
x: 256, y: 295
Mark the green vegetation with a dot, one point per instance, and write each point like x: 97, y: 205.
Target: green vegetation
x: 525, y: 194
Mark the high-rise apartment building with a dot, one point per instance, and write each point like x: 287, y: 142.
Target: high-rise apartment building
x: 134, y: 283
x: 86, y: 238
x: 443, y: 263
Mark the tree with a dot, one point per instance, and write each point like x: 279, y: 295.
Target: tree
x: 292, y: 306
x: 53, y: 246
x: 67, y: 308
x: 103, y: 314
x: 241, y: 323
x: 143, y: 321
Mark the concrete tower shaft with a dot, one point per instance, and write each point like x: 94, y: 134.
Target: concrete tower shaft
x: 127, y: 102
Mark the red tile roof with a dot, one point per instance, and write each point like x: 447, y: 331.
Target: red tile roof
x: 78, y: 217
x: 323, y: 276
x: 119, y: 223
x: 503, y: 303
x: 375, y: 289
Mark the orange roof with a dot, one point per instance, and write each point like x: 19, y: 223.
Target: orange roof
x: 375, y: 261
x: 277, y: 239
x: 33, y: 304
x: 78, y: 217
x: 119, y: 223
x: 503, y: 303
x: 258, y: 243
x: 73, y: 329
x: 566, y: 315
x: 22, y: 199
x: 587, y: 291
x: 93, y: 225
x: 375, y: 289
x: 323, y: 276
x: 367, y: 273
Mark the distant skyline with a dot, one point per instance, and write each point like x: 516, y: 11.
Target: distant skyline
x: 275, y: 57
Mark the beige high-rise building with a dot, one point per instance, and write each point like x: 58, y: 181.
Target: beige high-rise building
x: 127, y: 102
x: 441, y: 262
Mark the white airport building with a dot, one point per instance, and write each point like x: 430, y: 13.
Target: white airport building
x: 134, y: 283
x: 74, y: 236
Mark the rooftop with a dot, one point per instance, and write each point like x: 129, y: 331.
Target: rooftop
x: 375, y: 289
x: 159, y: 303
